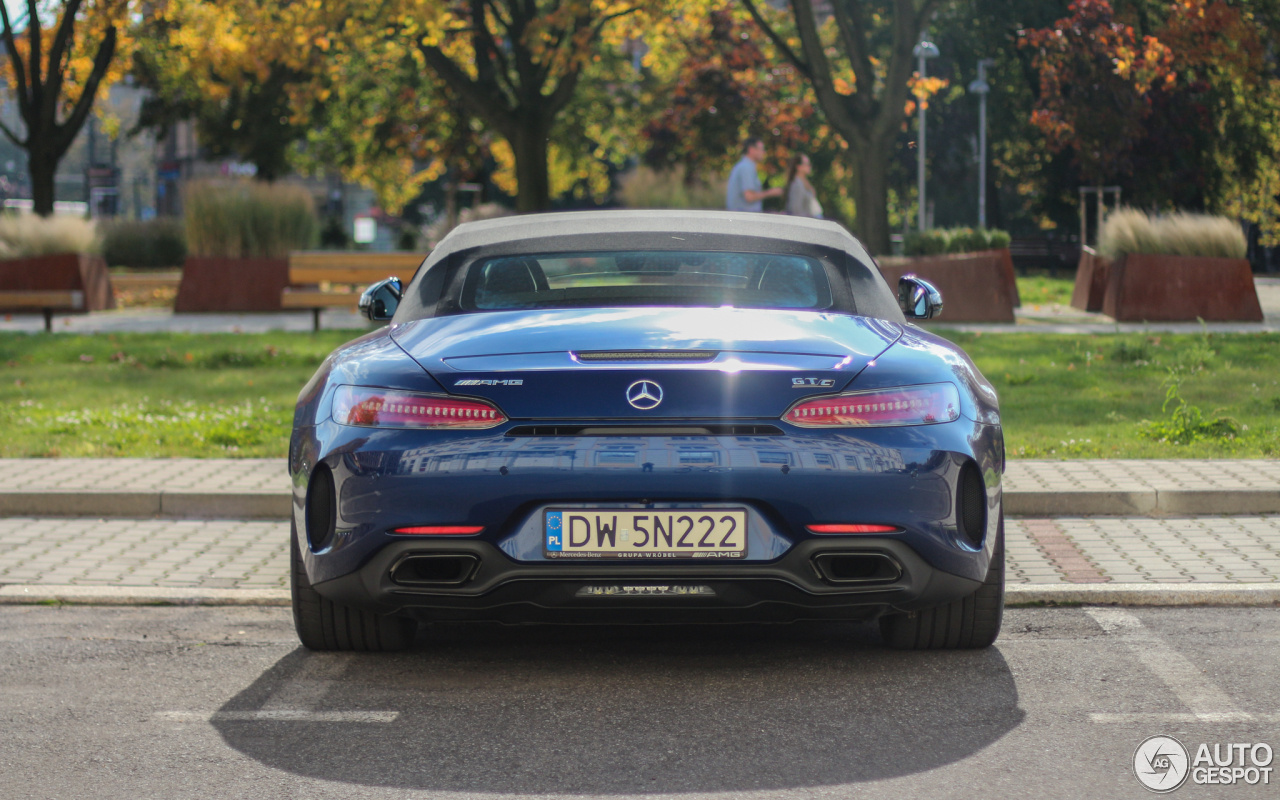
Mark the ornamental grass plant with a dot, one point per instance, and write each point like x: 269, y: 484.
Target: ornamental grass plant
x: 670, y: 188
x: 27, y: 235
x: 248, y: 219
x: 1182, y: 234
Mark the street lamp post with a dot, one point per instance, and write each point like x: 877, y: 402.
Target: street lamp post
x: 981, y: 88
x: 922, y: 51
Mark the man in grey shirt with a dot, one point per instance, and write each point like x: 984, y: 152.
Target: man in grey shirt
x: 744, y: 192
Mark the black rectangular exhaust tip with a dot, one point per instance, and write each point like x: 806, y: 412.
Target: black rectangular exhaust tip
x: 434, y: 569
x: 857, y: 568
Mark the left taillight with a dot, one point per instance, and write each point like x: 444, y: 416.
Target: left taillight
x: 926, y: 404
x: 370, y: 407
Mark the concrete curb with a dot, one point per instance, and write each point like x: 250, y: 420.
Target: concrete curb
x: 187, y: 505
x: 1121, y: 594
x: 276, y: 505
x: 1144, y: 594
x: 35, y: 594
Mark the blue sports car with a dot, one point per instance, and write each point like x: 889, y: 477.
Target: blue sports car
x: 648, y: 417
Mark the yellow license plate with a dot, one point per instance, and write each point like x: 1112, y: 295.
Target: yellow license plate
x: 645, y: 533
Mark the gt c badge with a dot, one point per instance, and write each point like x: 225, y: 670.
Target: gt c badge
x: 810, y: 383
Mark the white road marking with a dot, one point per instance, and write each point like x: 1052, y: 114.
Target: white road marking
x: 1159, y: 717
x: 279, y: 715
x: 295, y: 699
x: 1207, y: 702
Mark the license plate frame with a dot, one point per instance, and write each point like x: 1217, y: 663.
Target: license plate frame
x: 652, y: 540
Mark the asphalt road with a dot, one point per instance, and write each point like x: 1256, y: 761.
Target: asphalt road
x: 221, y: 702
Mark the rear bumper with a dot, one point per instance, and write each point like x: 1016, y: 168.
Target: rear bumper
x: 799, y: 586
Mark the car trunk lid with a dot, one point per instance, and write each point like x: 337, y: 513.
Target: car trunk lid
x: 706, y: 363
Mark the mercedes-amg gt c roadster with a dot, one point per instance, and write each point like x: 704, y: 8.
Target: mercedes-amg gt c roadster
x: 648, y: 417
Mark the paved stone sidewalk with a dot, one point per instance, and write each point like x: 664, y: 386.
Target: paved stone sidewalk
x: 162, y: 320
x: 222, y: 554
x: 1140, y: 474
x: 145, y: 474
x: 1216, y: 549
x: 227, y: 554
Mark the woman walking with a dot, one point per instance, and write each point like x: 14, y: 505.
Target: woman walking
x: 801, y: 199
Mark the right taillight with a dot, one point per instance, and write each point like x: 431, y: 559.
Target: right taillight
x: 370, y: 407
x: 904, y: 405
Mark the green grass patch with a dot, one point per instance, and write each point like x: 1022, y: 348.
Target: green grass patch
x: 1133, y: 395
x: 1062, y: 396
x: 1036, y: 290
x: 186, y: 395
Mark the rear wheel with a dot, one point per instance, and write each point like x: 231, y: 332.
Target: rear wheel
x: 968, y: 623
x: 325, y: 625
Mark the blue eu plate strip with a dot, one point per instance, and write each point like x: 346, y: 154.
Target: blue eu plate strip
x: 554, y: 526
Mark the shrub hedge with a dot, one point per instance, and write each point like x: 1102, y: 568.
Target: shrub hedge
x: 954, y: 240
x: 152, y: 244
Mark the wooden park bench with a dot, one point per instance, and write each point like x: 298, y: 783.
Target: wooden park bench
x: 46, y: 301
x: 1044, y: 253
x: 335, y: 279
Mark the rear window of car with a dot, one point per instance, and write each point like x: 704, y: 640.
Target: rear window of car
x: 646, y: 278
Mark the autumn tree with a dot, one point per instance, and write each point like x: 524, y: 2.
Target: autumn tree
x: 860, y: 64
x: 725, y: 85
x: 1096, y: 76
x: 235, y: 69
x: 1212, y: 140
x: 55, y: 74
x: 517, y: 65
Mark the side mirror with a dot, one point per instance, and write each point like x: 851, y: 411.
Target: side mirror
x: 379, y: 301
x: 918, y: 298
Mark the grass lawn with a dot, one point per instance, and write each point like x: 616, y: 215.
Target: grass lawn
x: 141, y: 394
x: 1062, y: 396
x: 1036, y: 290
x: 1086, y: 396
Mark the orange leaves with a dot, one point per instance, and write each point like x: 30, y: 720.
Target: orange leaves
x: 1095, y: 76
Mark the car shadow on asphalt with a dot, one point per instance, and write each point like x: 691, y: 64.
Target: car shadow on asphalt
x: 612, y: 710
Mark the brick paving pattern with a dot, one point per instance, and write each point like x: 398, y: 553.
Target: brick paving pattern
x: 1217, y: 549
x: 207, y: 554
x: 254, y: 554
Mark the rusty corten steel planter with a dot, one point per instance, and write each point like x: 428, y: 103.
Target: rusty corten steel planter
x: 976, y: 287
x: 1142, y: 287
x: 1091, y: 281
x: 60, y: 272
x: 214, y: 283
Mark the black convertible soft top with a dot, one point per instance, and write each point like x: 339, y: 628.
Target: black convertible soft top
x: 580, y: 231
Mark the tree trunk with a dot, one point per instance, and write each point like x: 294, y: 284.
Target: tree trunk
x: 871, y: 195
x: 532, y: 176
x: 42, y: 169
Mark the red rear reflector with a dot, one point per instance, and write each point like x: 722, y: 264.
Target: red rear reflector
x: 442, y: 530
x: 907, y: 405
x: 852, y: 528
x: 387, y: 408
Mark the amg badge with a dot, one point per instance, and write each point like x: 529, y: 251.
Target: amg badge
x: 472, y: 382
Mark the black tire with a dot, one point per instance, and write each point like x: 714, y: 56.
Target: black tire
x: 325, y: 625
x: 969, y: 623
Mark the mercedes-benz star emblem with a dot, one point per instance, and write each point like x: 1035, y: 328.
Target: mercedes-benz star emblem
x: 644, y: 395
